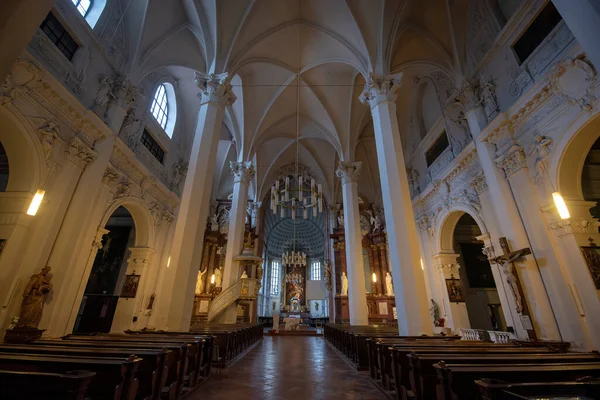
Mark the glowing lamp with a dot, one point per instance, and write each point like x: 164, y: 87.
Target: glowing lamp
x: 212, y: 279
x: 374, y: 277
x: 35, y: 202
x: 561, y: 206
x: 169, y: 262
x: 422, y: 267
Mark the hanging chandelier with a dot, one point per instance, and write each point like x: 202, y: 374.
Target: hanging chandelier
x: 294, y: 258
x: 295, y: 194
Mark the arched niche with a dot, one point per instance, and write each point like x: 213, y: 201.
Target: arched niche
x: 447, y: 224
x: 144, y: 227
x: 23, y: 154
x: 569, y: 164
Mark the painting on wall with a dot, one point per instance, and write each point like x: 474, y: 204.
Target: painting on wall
x: 592, y: 258
x: 130, y: 286
x: 455, y: 293
x: 477, y: 266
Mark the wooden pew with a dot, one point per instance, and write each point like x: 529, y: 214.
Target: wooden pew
x: 400, y: 367
x: 583, y: 388
x: 185, y: 349
x: 152, y: 371
x: 423, y: 376
x: 115, y: 377
x: 44, y: 385
x: 457, y: 381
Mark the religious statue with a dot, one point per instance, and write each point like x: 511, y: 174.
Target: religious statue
x: 244, y: 275
x: 49, y: 136
x: 375, y: 223
x: 103, y: 95
x: 340, y: 219
x: 344, y: 284
x: 541, y: 149
x: 200, y: 281
x: 489, y: 99
x: 508, y: 269
x: 34, y: 296
x: 129, y: 120
x: 179, y: 171
x: 389, y: 287
x: 218, y: 277
x: 214, y: 223
x: 435, y: 313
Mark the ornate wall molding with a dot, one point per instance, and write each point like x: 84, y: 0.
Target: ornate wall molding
x: 348, y: 172
x: 216, y: 89
x: 512, y: 161
x: 79, y: 153
x: 243, y: 171
x: 380, y: 88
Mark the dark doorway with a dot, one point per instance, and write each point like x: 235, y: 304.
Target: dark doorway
x: 3, y: 169
x: 477, y: 279
x: 101, y: 294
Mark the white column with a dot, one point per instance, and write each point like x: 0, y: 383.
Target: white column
x: 348, y: 173
x: 509, y: 221
x: 580, y: 230
x: 552, y: 283
x: 19, y: 21
x: 583, y: 19
x: 175, y: 298
x: 409, y: 284
x: 243, y: 172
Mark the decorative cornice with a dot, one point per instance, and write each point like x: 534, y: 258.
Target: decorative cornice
x: 215, y: 88
x: 348, y: 172
x: 111, y: 177
x: 79, y: 153
x: 512, y: 161
x: 243, y: 171
x: 380, y: 89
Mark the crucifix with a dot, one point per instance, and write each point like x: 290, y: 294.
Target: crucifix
x: 506, y: 260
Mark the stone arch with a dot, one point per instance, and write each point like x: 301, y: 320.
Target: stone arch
x: 447, y: 223
x: 24, y: 153
x: 568, y: 165
x: 144, y: 226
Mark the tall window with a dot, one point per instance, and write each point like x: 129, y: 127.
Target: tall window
x: 83, y: 6
x: 57, y: 33
x: 316, y: 273
x: 160, y: 106
x: 275, y: 267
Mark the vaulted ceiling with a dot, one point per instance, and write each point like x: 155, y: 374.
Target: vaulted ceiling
x: 298, y: 67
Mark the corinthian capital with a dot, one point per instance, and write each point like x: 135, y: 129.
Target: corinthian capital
x: 468, y: 97
x: 380, y: 88
x: 242, y: 170
x: 512, y: 161
x: 79, y: 153
x: 348, y: 172
x: 216, y: 89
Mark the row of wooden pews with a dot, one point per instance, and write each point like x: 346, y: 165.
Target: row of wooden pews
x: 447, y: 368
x: 107, y: 366
x: 230, y: 341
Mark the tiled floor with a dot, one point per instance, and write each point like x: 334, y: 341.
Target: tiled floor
x: 290, y: 368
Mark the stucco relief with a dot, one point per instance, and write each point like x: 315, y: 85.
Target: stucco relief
x: 575, y: 81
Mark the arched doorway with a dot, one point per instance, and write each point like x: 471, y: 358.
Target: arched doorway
x: 3, y: 169
x: 590, y: 178
x: 476, y: 278
x: 108, y: 275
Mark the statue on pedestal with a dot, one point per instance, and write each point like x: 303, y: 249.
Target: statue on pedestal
x: 244, y: 275
x: 344, y: 284
x: 200, y: 281
x: 435, y: 313
x: 389, y: 287
x: 218, y: 277
x: 34, y: 296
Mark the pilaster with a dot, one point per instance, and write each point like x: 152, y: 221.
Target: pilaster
x: 448, y: 268
x: 547, y: 283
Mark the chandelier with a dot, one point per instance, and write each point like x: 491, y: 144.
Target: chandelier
x: 294, y: 258
x: 294, y: 195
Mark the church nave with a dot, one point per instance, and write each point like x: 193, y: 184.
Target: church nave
x: 290, y: 368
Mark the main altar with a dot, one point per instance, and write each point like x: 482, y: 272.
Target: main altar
x: 294, y: 283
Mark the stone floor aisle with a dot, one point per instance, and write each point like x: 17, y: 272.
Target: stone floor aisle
x: 290, y: 368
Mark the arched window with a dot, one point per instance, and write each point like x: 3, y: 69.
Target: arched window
x: 90, y: 10
x: 83, y: 6
x: 164, y: 107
